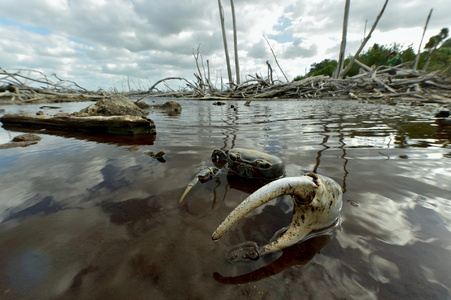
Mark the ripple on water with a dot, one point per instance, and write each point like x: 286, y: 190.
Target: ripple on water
x: 106, y: 215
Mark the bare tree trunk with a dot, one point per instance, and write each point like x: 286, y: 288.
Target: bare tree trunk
x: 417, y: 58
x: 275, y: 58
x: 196, y: 58
x: 229, y: 71
x: 270, y: 73
x: 209, y: 76
x: 235, y: 41
x: 341, y: 56
x: 348, y: 67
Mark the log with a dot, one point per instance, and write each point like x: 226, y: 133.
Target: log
x: 122, y: 125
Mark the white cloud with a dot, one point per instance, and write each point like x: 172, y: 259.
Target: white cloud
x: 102, y: 43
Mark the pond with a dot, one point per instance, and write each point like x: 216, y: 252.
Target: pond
x: 96, y: 217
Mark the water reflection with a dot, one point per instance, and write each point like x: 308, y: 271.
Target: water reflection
x: 137, y: 215
x: 120, y: 140
x: 98, y: 218
x: 297, y: 255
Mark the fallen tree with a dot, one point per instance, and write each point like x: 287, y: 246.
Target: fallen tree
x: 372, y: 83
x: 128, y: 125
x: 24, y: 85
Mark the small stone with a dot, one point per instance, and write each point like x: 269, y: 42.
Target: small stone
x: 26, y: 138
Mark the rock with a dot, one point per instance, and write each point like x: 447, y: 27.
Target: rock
x: 158, y: 156
x: 143, y: 105
x: 114, y: 106
x: 62, y: 114
x: 26, y: 138
x: 443, y: 114
x: 171, y: 107
x: 23, y: 140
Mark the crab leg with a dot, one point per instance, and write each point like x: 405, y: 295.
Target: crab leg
x: 202, y: 176
x: 317, y: 203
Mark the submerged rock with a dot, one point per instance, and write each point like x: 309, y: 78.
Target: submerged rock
x: 22, y: 140
x: 170, y: 107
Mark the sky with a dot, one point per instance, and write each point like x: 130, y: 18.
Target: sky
x: 131, y: 44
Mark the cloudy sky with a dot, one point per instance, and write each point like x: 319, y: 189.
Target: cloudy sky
x: 110, y: 43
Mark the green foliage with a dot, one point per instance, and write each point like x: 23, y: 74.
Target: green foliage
x: 326, y: 67
x: 299, y: 77
x: 408, y: 54
x: 377, y: 55
x: 435, y: 40
x: 441, y: 59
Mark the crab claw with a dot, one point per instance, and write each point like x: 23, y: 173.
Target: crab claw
x: 202, y: 176
x: 317, y: 204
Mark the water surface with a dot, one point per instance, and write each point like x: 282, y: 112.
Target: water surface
x: 95, y: 217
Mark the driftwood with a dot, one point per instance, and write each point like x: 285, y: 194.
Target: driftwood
x: 31, y: 86
x: 129, y: 125
x: 275, y: 58
x: 373, y: 83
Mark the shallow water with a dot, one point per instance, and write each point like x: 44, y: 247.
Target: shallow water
x: 94, y: 217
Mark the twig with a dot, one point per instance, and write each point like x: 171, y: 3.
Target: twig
x: 275, y: 58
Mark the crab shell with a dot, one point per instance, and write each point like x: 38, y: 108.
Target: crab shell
x: 251, y: 163
x: 317, y: 204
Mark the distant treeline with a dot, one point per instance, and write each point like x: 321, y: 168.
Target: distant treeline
x: 436, y: 56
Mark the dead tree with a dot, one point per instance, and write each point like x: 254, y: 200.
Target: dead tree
x: 235, y: 45
x: 275, y: 58
x: 224, y: 37
x: 348, y: 67
x: 417, y: 58
x: 341, y: 56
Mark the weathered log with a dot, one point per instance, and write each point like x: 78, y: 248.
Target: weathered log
x: 126, y: 125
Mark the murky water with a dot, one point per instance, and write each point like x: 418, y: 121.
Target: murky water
x: 95, y: 217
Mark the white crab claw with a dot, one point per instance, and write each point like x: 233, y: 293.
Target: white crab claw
x: 317, y: 204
